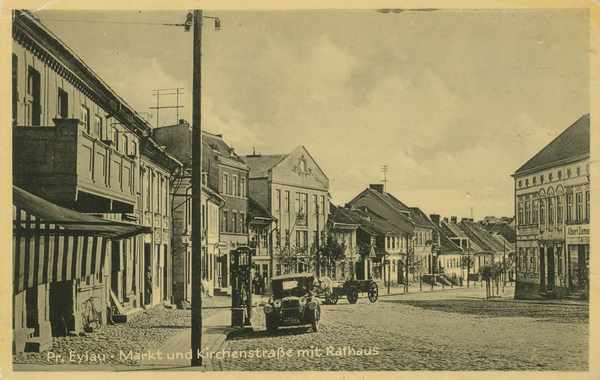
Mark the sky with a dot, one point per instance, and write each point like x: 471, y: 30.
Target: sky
x: 452, y: 101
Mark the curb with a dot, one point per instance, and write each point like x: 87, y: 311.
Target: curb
x: 215, y: 347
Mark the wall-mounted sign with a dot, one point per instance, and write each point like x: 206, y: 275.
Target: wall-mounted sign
x: 221, y: 245
x: 578, y: 231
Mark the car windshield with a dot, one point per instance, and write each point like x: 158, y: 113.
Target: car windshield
x: 291, y: 287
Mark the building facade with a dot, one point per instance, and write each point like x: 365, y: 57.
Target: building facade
x: 294, y: 190
x: 552, y: 205
x: 224, y: 172
x: 78, y: 145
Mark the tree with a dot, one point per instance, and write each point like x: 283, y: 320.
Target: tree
x: 467, y: 262
x: 491, y: 273
x: 329, y: 252
x: 289, y: 257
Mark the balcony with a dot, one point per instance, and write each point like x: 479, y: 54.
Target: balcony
x: 67, y: 166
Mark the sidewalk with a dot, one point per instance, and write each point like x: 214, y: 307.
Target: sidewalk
x: 176, y: 353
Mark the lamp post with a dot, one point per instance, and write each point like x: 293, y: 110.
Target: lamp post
x: 195, y: 18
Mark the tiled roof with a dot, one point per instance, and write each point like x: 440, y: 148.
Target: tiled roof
x: 419, y: 218
x: 573, y: 142
x: 258, y: 211
x: 216, y: 144
x: 481, y: 237
x: 260, y: 165
x: 339, y: 215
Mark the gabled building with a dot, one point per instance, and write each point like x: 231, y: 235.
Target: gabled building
x: 261, y: 227
x: 553, y: 206
x: 294, y: 190
x: 224, y: 172
x: 79, y: 146
x: 447, y: 252
x: 343, y: 228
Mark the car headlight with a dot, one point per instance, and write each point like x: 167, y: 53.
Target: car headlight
x: 312, y: 305
x: 268, y: 308
x: 302, y: 301
x: 277, y: 304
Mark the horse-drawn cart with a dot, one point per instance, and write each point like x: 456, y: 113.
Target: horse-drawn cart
x: 350, y: 289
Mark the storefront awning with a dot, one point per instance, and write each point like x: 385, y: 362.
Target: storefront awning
x: 52, y: 243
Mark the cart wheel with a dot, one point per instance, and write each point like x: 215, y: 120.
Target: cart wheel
x: 373, y: 292
x: 333, y: 298
x: 352, y: 294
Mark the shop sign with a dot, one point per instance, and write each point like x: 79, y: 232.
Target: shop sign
x: 578, y: 231
x: 221, y: 245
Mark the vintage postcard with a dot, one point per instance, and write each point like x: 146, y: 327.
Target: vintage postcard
x: 357, y: 190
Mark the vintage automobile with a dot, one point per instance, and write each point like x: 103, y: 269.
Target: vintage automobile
x: 293, y: 302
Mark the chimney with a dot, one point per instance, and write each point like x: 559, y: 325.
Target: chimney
x: 182, y: 121
x: 435, y: 218
x: 464, y: 220
x: 453, y: 219
x: 471, y: 220
x: 446, y: 220
x: 377, y: 187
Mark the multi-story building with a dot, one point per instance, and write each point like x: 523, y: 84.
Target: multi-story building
x: 552, y: 202
x: 78, y: 145
x: 224, y: 172
x: 261, y: 226
x: 294, y: 190
x: 342, y: 226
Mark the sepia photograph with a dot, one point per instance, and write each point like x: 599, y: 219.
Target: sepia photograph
x: 354, y: 191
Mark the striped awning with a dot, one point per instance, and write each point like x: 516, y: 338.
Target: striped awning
x: 51, y: 243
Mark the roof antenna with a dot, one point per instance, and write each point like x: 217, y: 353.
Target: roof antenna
x: 384, y: 169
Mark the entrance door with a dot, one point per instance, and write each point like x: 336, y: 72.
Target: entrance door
x: 542, y: 270
x: 551, y: 268
x: 360, y: 270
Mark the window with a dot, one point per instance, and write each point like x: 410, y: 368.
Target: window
x: 125, y: 144
x: 560, y: 174
x: 287, y: 238
x: 569, y: 207
x: 63, y: 103
x: 534, y: 214
x: 542, y: 178
x: 234, y: 184
x: 587, y: 205
x: 277, y: 199
x: 15, y: 88
x: 234, y: 222
x: 133, y: 147
x: 85, y: 118
x: 297, y: 204
x: 393, y: 243
x: 542, y: 212
x: 225, y: 184
x: 322, y: 206
x: 224, y: 225
x: 242, y: 223
x: 33, y: 104
x: 243, y: 187
x: 559, y: 209
x: 579, y: 206
x: 315, y: 205
x: 389, y: 244
x: 286, y: 201
x: 569, y: 173
x: 551, y: 211
x: 521, y: 220
x: 527, y: 212
x: 148, y: 189
x: 278, y: 238
x: 115, y: 137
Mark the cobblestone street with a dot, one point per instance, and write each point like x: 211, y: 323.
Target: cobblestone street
x: 447, y: 330
x: 408, y: 333
x: 145, y: 332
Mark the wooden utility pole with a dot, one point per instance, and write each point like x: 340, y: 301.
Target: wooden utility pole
x: 197, y: 194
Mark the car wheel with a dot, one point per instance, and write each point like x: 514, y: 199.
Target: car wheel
x: 315, y: 321
x: 333, y: 299
x: 373, y: 292
x: 352, y: 294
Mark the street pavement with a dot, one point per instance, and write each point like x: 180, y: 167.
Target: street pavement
x: 445, y: 329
